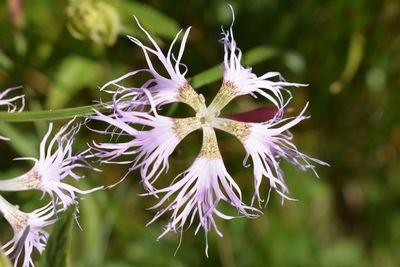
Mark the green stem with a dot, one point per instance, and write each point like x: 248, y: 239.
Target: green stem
x: 57, y: 114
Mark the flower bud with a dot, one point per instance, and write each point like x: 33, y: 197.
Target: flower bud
x: 93, y: 20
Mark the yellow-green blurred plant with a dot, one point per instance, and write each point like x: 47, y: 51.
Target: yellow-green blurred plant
x: 93, y: 20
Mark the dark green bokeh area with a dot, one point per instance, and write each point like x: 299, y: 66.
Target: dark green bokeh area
x: 348, y: 53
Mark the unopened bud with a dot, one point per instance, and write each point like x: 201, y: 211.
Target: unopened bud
x: 93, y: 20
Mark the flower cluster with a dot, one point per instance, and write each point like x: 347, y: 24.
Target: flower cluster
x: 194, y: 195
x: 56, y: 162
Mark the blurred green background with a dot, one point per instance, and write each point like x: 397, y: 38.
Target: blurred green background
x: 61, y: 52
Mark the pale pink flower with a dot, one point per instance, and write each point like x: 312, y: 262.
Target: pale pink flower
x: 150, y: 147
x: 267, y: 143
x: 28, y: 230
x: 239, y: 80
x: 55, y: 163
x: 173, y: 87
x: 198, y: 191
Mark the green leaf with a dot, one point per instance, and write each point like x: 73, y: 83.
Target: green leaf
x: 153, y: 20
x: 95, y: 227
x: 74, y: 74
x: 4, y: 261
x: 58, y: 247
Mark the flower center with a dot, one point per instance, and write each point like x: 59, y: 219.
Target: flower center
x: 206, y: 120
x: 207, y: 117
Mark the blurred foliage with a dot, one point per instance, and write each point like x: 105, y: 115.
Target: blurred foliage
x: 93, y: 20
x: 59, y: 243
x: 346, y: 50
x: 4, y: 261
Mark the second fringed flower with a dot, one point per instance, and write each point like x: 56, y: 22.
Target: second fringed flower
x: 56, y: 163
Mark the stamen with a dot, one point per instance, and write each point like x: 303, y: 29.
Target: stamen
x: 226, y: 93
x: 257, y: 115
x: 189, y: 96
x: 209, y: 149
x: 34, y: 180
x: 183, y: 127
x: 237, y: 128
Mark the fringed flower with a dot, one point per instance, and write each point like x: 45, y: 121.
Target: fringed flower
x: 198, y: 191
x: 55, y: 163
x: 172, y: 87
x: 194, y: 195
x: 29, y: 233
x: 239, y: 80
x: 153, y: 138
x: 267, y: 143
x: 11, y: 103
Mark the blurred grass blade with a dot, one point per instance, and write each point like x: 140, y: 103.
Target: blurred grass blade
x: 74, y: 74
x: 206, y: 77
x: 259, y: 54
x: 152, y: 19
x: 40, y: 126
x: 5, y: 62
x: 96, y: 227
x: 253, y: 56
x: 354, y: 57
x: 25, y: 144
x: 58, y: 247
x: 4, y: 261
x: 93, y: 225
